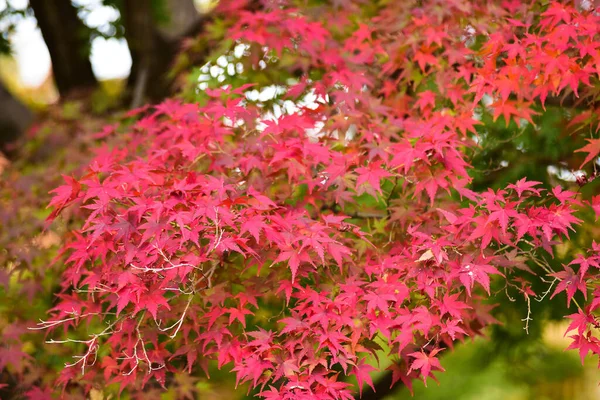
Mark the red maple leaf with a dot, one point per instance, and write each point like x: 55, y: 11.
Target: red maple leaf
x: 426, y: 363
x: 592, y: 148
x: 570, y: 281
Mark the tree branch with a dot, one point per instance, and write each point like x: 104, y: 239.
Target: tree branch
x: 570, y: 101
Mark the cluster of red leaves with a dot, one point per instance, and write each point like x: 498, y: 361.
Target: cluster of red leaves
x: 56, y: 142
x: 207, y: 217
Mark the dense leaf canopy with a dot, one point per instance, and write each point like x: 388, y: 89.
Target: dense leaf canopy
x: 291, y: 237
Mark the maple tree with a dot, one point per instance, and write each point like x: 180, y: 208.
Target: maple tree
x: 288, y: 239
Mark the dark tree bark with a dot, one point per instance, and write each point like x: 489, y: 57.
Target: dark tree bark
x: 64, y: 34
x: 153, y: 48
x: 15, y: 118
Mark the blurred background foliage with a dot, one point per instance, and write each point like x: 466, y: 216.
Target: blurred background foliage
x: 510, y: 363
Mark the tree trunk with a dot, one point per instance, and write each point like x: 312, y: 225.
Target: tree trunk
x: 65, y: 36
x: 151, y: 54
x: 15, y: 118
x: 154, y: 46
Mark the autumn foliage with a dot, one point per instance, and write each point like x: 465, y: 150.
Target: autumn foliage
x: 290, y: 244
